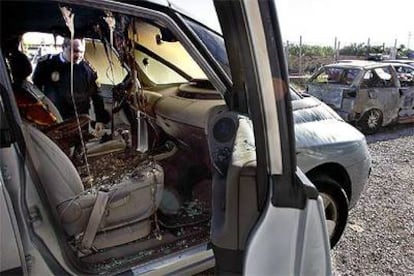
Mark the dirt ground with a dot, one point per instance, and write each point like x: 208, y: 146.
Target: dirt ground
x: 379, y: 236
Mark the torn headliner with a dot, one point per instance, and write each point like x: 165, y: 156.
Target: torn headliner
x: 19, y: 17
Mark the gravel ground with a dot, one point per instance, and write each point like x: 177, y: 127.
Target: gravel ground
x: 379, y: 237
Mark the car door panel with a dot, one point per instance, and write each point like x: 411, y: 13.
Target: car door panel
x: 10, y: 236
x: 407, y: 102
x: 379, y: 92
x: 278, y: 242
x: 231, y: 145
x: 233, y: 186
x: 385, y: 99
x: 306, y: 228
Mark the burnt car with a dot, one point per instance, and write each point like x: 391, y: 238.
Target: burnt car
x: 337, y: 162
x: 203, y: 173
x: 367, y: 94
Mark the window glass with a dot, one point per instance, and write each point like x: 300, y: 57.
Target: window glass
x: 213, y: 42
x: 405, y: 75
x: 107, y: 66
x: 34, y: 45
x: 335, y: 75
x: 168, y: 48
x: 377, y: 78
x: 156, y: 71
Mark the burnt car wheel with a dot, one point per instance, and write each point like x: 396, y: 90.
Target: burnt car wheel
x: 335, y: 203
x: 370, y: 121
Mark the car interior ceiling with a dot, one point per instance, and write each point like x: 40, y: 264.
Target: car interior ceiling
x: 164, y: 193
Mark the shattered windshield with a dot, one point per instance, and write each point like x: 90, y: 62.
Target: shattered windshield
x: 336, y: 75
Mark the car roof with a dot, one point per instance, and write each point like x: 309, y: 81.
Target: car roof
x: 401, y: 64
x: 404, y: 61
x: 361, y: 64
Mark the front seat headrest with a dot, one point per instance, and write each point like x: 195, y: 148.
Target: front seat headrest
x: 20, y: 66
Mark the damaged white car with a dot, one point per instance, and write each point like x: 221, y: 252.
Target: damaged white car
x: 198, y: 166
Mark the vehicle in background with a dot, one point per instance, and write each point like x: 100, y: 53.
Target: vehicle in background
x: 405, y: 73
x: 367, y: 94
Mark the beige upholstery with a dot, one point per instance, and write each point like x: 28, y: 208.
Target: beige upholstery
x: 131, y: 202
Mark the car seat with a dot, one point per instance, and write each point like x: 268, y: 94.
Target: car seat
x: 33, y: 104
x: 99, y: 217
x: 35, y: 107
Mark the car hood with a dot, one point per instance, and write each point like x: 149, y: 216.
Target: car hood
x: 316, y: 125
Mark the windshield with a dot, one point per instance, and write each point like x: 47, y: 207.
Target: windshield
x: 336, y: 75
x: 162, y: 57
x: 214, y: 43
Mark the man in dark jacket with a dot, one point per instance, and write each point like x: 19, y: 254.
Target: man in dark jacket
x: 52, y: 76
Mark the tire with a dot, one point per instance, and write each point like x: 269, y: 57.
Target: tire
x: 336, y: 206
x: 370, y: 121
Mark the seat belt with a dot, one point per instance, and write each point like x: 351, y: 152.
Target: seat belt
x: 95, y: 219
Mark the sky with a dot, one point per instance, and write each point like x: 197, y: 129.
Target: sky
x: 320, y: 21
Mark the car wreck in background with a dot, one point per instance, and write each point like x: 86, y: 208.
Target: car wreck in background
x: 367, y: 94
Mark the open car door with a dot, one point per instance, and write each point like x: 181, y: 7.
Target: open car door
x: 267, y: 217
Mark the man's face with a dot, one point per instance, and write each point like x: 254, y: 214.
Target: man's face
x: 78, y: 51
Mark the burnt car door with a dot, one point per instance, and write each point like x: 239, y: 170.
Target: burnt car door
x: 267, y: 217
x: 406, y: 78
x: 379, y: 95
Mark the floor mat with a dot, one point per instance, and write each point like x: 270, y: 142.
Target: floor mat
x: 191, y: 213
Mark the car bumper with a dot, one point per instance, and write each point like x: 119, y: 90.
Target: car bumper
x: 358, y: 174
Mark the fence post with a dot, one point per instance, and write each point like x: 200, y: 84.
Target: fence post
x: 287, y: 55
x: 393, y: 52
x: 337, y: 49
x: 368, y: 46
x: 300, y: 56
